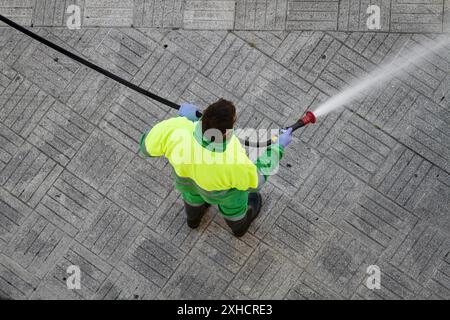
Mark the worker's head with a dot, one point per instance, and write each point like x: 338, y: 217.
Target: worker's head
x: 220, y: 115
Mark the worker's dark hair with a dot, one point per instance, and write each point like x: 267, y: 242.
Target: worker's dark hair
x: 220, y: 115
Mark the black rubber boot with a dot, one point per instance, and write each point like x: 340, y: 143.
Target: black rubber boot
x: 240, y: 227
x: 195, y: 214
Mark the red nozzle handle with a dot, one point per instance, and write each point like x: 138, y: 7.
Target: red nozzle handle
x: 309, y: 118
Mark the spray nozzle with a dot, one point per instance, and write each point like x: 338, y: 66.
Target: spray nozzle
x: 309, y: 118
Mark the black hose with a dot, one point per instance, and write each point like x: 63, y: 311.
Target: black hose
x: 89, y: 64
x: 112, y: 75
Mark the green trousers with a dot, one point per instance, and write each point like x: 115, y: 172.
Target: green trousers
x: 232, y: 203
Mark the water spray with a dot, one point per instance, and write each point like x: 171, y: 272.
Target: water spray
x: 381, y: 75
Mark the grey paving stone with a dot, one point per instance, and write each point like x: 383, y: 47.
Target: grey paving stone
x: 70, y: 204
x: 108, y: 13
x: 309, y: 288
x: 53, y: 13
x: 421, y: 252
x: 261, y: 15
x: 343, y: 70
x: 382, y: 222
x: 428, y: 76
x: 29, y: 175
x: 37, y: 245
x: 361, y: 148
x: 220, y: 248
x: 298, y: 233
x: 307, y: 53
x: 273, y: 205
x: 342, y: 263
x: 209, y: 15
x: 166, y: 73
x: 401, y: 175
x: 60, y: 133
x: 10, y: 144
x: 100, y: 161
x: 395, y: 285
x: 353, y: 14
x: 376, y: 221
x: 377, y: 47
x: 439, y: 282
x: 194, y: 279
x: 24, y: 104
x: 431, y: 199
x: 418, y: 16
x: 124, y: 286
x: 328, y: 190
x: 265, y: 41
x: 50, y: 291
x: 75, y: 40
x: 295, y: 167
x: 13, y: 213
x: 386, y: 106
x: 158, y: 13
x: 169, y: 220
x: 446, y: 21
x: 90, y: 95
x: 140, y: 189
x: 153, y: 258
x: 266, y: 274
x: 16, y: 283
x: 18, y: 11
x: 202, y: 92
x: 425, y: 130
x: 122, y: 51
x: 52, y: 71
x: 93, y: 274
x: 194, y: 48
x: 234, y: 65
x: 7, y: 75
x: 280, y: 95
x: 312, y: 15
x: 110, y: 233
x: 13, y: 45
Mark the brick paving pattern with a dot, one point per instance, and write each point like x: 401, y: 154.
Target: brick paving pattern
x: 367, y: 185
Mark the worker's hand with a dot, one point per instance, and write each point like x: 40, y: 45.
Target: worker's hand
x: 285, y: 137
x: 189, y: 111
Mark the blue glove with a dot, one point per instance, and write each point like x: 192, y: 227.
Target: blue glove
x: 189, y: 111
x: 285, y: 137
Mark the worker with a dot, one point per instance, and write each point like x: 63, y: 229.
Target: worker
x: 210, y: 165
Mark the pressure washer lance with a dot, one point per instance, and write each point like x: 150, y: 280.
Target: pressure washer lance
x: 308, y: 118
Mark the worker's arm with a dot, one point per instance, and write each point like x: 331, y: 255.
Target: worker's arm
x: 268, y: 163
x: 142, y: 148
x: 154, y: 142
x: 160, y: 132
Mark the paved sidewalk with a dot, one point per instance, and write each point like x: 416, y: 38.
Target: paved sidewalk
x: 368, y: 185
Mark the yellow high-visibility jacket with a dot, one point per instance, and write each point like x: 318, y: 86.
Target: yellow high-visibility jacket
x: 212, y: 167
